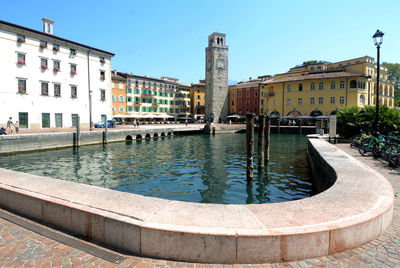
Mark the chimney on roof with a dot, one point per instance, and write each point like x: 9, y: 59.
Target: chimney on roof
x: 250, y: 78
x: 115, y: 71
x: 47, y: 26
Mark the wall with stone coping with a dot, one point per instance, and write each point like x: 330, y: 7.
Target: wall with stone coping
x: 354, y: 210
x: 40, y: 141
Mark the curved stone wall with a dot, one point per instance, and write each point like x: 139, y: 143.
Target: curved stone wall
x: 354, y: 210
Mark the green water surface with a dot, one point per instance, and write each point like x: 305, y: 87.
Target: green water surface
x: 196, y: 168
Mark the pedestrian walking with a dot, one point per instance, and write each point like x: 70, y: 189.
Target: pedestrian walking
x: 10, y: 124
x: 16, y: 127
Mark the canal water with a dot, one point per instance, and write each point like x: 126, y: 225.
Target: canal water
x: 196, y: 168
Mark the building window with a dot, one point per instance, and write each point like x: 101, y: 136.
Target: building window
x: 45, y: 120
x: 312, y: 101
x: 74, y: 92
x: 59, y: 120
x: 289, y: 88
x: 23, y: 120
x: 341, y: 84
x: 73, y: 69
x: 102, y: 75
x: 72, y: 52
x: 113, y: 97
x: 102, y: 60
x: 233, y: 95
x: 43, y: 63
x: 300, y: 87
x: 341, y: 99
x: 239, y: 103
x: 22, y: 86
x: 45, y: 88
x: 247, y: 103
x: 332, y: 100
x: 56, y: 66
x: 320, y: 100
x: 57, y: 90
x: 312, y: 88
x: 255, y: 102
x: 321, y: 86
x: 275, y: 103
x: 56, y: 47
x: 247, y: 94
x: 121, y: 109
x: 333, y: 85
x: 120, y: 85
x: 121, y: 98
x: 255, y: 94
x: 43, y: 44
x: 129, y: 99
x: 300, y: 101
x: 240, y: 95
x: 262, y: 102
x: 21, y: 59
x: 288, y: 102
x: 102, y: 95
x: 233, y: 103
x: 198, y: 97
x: 240, y: 111
x: 20, y: 38
x: 362, y: 99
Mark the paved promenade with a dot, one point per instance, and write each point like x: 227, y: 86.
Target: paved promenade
x: 20, y: 247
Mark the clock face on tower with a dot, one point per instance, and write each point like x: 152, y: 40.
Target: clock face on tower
x: 220, y: 64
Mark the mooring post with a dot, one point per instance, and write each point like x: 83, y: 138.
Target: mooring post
x: 105, y: 133
x: 250, y: 146
x: 300, y: 123
x: 267, y: 134
x: 260, y: 150
x: 78, y: 130
x: 278, y: 126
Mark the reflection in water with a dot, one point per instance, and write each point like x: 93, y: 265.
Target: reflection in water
x: 197, y: 168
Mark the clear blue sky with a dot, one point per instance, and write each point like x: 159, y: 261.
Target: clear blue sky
x: 168, y: 37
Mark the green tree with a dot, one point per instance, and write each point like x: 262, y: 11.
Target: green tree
x: 394, y: 75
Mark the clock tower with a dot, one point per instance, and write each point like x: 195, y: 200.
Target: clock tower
x: 216, y: 79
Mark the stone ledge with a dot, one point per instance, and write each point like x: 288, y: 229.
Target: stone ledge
x: 354, y: 210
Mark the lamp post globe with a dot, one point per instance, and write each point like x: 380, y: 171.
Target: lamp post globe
x: 378, y: 38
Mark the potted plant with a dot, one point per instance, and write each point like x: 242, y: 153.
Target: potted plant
x: 56, y: 48
x: 43, y: 45
x: 102, y: 77
x: 21, y: 39
x: 56, y: 69
x: 43, y: 66
x: 21, y: 62
x: 73, y: 72
x: 102, y: 60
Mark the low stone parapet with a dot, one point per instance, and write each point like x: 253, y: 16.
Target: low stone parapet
x: 354, y: 210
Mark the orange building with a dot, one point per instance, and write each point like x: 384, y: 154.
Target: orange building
x: 118, y: 94
x: 232, y: 100
x: 197, y: 99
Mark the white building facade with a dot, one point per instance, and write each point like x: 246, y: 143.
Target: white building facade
x: 47, y: 81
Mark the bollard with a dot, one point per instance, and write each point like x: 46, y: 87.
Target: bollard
x: 267, y: 134
x: 250, y: 146
x: 300, y: 123
x: 78, y: 130
x: 278, y: 126
x: 260, y: 149
x: 105, y: 133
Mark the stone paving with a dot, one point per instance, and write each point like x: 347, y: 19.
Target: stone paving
x: 20, y: 247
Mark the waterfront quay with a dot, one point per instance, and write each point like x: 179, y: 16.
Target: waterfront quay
x: 21, y: 247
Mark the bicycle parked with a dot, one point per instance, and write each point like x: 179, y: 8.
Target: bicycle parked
x: 385, y: 147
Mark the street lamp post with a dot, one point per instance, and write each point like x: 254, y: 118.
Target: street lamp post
x: 378, y: 37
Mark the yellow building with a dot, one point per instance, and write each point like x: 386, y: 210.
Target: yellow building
x: 184, y: 100
x: 232, y: 100
x: 316, y: 88
x: 197, y: 99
